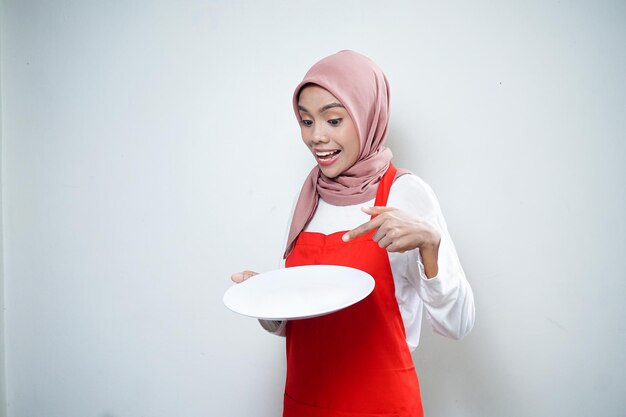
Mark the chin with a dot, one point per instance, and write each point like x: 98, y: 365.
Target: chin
x: 330, y: 173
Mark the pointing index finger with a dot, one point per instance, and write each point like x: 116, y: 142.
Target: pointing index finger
x: 362, y: 229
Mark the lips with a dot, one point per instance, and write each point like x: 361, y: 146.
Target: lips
x: 326, y: 157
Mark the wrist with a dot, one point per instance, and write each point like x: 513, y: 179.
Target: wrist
x: 430, y: 256
x: 431, y: 244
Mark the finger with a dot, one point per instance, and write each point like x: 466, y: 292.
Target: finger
x: 401, y: 245
x: 379, y: 234
x: 385, y: 242
x: 237, y: 277
x: 249, y: 274
x: 395, y: 246
x: 376, y: 210
x: 362, y: 229
x: 242, y: 276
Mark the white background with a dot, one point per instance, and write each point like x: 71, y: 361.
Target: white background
x: 149, y: 150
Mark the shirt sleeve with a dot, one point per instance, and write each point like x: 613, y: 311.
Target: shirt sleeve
x: 274, y: 326
x: 447, y: 298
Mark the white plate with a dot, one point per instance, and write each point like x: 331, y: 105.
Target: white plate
x: 299, y: 292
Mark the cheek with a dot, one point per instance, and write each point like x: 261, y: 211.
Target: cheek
x: 352, y: 141
x: 354, y: 146
x: 303, y: 135
x: 354, y: 154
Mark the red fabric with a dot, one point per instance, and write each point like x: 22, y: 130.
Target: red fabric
x: 354, y: 362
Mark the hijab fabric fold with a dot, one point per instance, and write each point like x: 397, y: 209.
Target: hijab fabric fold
x: 362, y: 88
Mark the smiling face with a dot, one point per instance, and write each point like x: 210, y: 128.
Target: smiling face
x: 328, y: 131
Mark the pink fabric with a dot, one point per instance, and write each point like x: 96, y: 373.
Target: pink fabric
x: 363, y: 90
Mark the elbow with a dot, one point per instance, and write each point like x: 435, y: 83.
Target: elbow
x: 460, y: 327
x: 468, y: 317
x: 457, y: 333
x: 466, y: 323
x: 463, y: 330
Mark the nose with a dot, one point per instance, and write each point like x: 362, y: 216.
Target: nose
x: 320, y: 135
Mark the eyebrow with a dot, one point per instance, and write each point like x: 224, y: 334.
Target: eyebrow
x: 324, y: 108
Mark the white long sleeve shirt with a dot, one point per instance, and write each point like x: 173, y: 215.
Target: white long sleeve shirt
x: 447, y: 299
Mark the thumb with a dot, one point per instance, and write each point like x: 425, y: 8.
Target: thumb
x: 242, y: 276
x: 376, y: 210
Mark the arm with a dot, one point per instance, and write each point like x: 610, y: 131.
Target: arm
x: 448, y: 298
x: 412, y: 227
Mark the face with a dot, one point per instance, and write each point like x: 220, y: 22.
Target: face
x: 328, y: 131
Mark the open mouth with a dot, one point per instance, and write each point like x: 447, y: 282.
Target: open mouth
x: 327, y: 155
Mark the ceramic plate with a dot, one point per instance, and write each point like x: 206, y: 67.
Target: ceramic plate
x: 299, y: 292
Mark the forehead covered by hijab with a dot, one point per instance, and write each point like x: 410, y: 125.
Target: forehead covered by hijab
x: 361, y: 86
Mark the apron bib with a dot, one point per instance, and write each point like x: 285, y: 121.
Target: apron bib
x: 354, y: 362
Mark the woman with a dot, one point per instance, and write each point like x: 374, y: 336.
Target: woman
x: 355, y: 209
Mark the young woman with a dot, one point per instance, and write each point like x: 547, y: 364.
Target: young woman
x: 356, y: 209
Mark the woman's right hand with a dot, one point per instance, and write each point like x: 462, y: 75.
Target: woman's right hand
x: 239, y: 277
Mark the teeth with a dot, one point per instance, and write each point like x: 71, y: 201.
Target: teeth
x: 322, y: 154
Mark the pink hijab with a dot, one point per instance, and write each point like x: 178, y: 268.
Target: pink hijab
x: 362, y: 88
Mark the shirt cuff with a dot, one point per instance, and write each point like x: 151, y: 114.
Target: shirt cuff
x: 274, y: 326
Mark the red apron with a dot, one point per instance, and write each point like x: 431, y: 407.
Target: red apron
x: 354, y: 362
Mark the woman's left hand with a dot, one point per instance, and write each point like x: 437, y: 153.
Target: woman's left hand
x: 401, y: 232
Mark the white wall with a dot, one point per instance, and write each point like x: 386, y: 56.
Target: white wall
x: 2, y: 305
x: 149, y: 150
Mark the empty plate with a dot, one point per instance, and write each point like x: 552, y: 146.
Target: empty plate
x: 299, y: 292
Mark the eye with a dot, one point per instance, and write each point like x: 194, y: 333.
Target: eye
x: 335, y: 122
x: 306, y: 122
